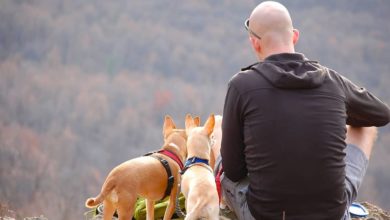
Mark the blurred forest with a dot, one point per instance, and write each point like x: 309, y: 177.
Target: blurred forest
x: 84, y: 85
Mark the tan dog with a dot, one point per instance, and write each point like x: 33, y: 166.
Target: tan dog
x: 216, y: 137
x: 198, y: 184
x: 216, y: 151
x: 143, y: 176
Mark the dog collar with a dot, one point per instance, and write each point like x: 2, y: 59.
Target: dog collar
x: 194, y: 160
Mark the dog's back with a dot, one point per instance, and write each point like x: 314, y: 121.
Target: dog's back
x: 198, y: 184
x: 143, y: 176
x: 202, y: 198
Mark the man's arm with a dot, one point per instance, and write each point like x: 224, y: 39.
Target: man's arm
x: 232, y: 147
x: 363, y: 108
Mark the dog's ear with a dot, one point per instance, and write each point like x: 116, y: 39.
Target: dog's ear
x: 218, y: 119
x: 209, y: 125
x: 197, y: 121
x: 189, y: 123
x: 169, y: 125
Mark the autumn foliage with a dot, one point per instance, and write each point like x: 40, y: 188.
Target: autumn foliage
x: 84, y: 85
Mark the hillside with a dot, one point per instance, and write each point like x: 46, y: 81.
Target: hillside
x: 84, y: 85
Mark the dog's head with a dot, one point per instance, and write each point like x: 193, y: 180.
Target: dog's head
x: 174, y: 138
x: 198, y: 137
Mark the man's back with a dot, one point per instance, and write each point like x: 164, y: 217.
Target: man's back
x: 293, y: 114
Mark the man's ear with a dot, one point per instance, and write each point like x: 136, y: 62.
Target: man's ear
x: 295, y: 36
x: 255, y: 44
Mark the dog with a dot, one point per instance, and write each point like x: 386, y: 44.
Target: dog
x: 198, y: 183
x: 215, y: 153
x: 216, y: 138
x: 145, y: 176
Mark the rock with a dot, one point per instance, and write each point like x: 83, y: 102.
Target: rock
x: 375, y: 213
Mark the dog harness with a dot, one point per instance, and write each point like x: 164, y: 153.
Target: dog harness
x: 172, y: 156
x: 165, y: 164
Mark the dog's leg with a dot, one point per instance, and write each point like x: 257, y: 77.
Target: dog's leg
x: 190, y: 216
x: 108, y: 210
x: 126, y: 207
x: 171, y: 204
x: 149, y: 209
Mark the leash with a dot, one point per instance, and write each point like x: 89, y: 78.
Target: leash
x: 178, y: 210
x: 218, y: 183
x: 218, y: 170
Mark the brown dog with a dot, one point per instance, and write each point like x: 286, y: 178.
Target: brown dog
x: 144, y: 176
x: 198, y: 184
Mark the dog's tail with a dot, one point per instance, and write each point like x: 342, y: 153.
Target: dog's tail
x: 93, y: 202
x: 106, y: 189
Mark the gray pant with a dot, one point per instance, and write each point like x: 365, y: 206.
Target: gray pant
x: 356, y: 165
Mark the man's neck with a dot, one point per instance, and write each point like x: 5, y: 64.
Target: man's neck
x: 277, y: 50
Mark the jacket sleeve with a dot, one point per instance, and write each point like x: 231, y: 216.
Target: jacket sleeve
x: 363, y: 108
x: 232, y: 146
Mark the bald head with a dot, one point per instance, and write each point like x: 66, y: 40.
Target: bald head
x: 272, y: 22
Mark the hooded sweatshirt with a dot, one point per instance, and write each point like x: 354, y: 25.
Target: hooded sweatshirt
x: 284, y: 127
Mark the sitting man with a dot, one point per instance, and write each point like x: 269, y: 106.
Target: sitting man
x: 287, y: 152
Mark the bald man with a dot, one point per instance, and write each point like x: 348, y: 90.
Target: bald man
x: 287, y: 152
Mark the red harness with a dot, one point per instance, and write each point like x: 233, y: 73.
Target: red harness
x: 172, y: 156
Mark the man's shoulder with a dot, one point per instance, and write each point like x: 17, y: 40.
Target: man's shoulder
x: 243, y: 74
x: 249, y: 67
x: 248, y: 79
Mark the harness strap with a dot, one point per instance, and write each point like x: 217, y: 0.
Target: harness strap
x: 171, y: 179
x: 169, y: 154
x: 172, y: 156
x: 165, y: 164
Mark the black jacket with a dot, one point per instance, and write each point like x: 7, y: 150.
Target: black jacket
x: 284, y: 126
